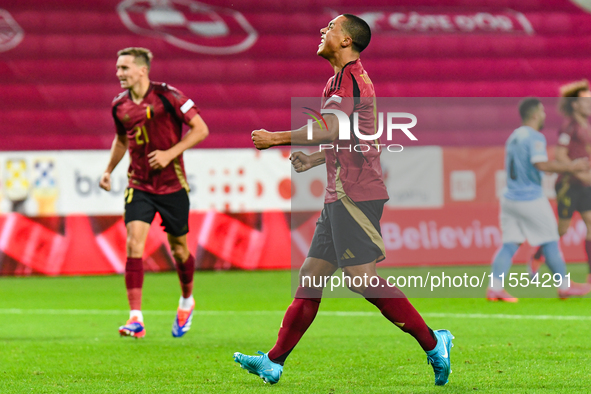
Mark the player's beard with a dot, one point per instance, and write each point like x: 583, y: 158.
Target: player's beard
x: 541, y: 125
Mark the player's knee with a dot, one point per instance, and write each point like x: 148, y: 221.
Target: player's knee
x: 180, y: 253
x: 135, y: 247
x: 354, y: 281
x: 306, y: 272
x: 307, y: 278
x: 310, y: 277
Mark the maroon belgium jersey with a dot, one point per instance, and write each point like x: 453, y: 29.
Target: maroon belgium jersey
x: 356, y: 174
x: 577, y: 139
x: 154, y: 124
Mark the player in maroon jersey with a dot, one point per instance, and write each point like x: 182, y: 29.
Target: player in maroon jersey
x: 348, y: 234
x: 148, y: 119
x: 573, y: 191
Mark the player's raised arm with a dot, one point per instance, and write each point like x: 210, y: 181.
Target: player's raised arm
x: 118, y: 149
x: 302, y: 162
x: 264, y: 139
x: 199, y: 131
x: 573, y: 166
x: 561, y: 154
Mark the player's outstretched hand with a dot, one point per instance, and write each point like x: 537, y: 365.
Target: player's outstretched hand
x: 300, y: 161
x: 105, y: 182
x: 159, y: 159
x: 262, y: 139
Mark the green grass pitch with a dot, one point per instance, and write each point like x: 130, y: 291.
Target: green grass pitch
x: 59, y: 335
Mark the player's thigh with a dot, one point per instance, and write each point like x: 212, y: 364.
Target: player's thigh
x: 563, y: 225
x: 509, y: 221
x: 313, y: 272
x: 586, y: 216
x: 361, y: 270
x: 139, y: 206
x: 174, y: 211
x: 356, y: 231
x: 138, y: 215
x: 584, y: 206
x: 538, y: 221
x: 567, y: 197
x: 137, y: 233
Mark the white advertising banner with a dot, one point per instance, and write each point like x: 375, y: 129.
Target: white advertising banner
x: 231, y: 180
x: 67, y: 182
x: 414, y: 177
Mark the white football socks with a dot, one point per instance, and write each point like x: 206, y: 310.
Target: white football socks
x: 186, y: 303
x: 497, y: 284
x: 138, y: 314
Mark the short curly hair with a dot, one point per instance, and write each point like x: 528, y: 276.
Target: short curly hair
x: 569, y: 94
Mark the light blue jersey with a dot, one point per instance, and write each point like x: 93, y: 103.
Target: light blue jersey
x: 523, y: 149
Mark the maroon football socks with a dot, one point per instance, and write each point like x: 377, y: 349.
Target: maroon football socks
x: 395, y: 307
x: 390, y: 301
x: 298, y: 317
x: 186, y: 272
x: 134, y: 280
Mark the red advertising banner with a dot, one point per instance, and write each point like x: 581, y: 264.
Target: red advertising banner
x: 79, y: 245
x: 443, y: 209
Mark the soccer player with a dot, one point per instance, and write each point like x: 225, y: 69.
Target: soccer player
x: 148, y: 119
x: 347, y: 233
x: 525, y: 212
x: 573, y: 191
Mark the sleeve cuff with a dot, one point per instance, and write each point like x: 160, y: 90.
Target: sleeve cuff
x: 539, y: 159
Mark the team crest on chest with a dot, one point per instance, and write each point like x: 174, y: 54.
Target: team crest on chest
x: 149, y: 112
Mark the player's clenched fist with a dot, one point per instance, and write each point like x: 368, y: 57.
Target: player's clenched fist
x: 300, y: 161
x: 262, y: 139
x: 105, y: 182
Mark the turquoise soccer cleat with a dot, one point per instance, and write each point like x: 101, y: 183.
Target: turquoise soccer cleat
x: 439, y: 357
x: 266, y: 369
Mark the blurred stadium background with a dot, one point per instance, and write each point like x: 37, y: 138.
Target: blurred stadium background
x: 242, y: 62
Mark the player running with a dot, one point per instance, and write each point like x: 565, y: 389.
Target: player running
x: 348, y: 233
x: 148, y: 119
x: 525, y: 212
x: 573, y: 191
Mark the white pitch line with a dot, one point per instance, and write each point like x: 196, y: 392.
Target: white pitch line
x: 15, y: 311
x: 504, y: 316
